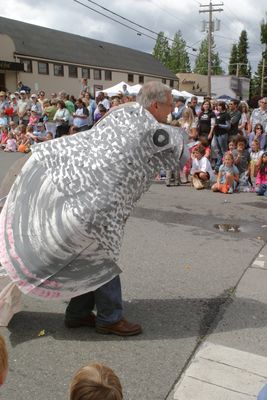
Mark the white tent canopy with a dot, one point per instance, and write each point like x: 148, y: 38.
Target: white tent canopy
x: 112, y: 91
x: 186, y: 94
x: 176, y: 93
x: 135, y: 89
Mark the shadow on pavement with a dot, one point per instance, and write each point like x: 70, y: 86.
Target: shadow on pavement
x: 160, y: 319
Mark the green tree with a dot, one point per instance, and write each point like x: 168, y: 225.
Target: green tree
x: 161, y: 49
x: 201, y: 63
x: 242, y: 50
x: 178, y: 57
x: 256, y: 82
x: 232, y: 67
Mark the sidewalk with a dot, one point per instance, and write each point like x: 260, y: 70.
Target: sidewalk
x: 231, y: 364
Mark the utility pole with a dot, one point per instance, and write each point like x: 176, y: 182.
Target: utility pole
x: 210, y: 9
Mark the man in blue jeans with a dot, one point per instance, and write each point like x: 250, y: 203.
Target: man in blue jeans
x: 157, y: 99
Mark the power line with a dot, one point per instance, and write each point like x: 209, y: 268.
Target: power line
x: 113, y: 19
x: 126, y: 19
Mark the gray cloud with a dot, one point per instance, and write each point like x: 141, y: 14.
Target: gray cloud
x: 158, y: 15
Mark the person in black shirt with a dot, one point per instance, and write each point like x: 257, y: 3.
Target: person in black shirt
x: 221, y: 129
x: 206, y: 120
x: 235, y: 116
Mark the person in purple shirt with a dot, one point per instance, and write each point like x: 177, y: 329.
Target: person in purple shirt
x: 258, y: 134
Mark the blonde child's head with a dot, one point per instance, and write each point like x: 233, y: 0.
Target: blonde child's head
x: 3, y: 360
x: 95, y: 382
x: 255, y: 145
x: 228, y: 159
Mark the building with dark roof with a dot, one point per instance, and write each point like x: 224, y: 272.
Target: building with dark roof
x: 52, y: 60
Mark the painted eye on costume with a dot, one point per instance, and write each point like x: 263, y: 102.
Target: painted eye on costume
x: 161, y: 138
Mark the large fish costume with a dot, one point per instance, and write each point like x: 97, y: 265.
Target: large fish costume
x: 62, y: 224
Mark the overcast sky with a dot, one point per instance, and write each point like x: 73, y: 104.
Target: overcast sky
x: 158, y: 15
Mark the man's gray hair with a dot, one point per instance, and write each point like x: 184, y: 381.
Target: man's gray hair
x: 152, y: 91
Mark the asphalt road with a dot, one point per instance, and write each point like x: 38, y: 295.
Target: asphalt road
x: 179, y: 272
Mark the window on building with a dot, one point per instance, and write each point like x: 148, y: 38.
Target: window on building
x: 97, y: 74
x: 108, y: 76
x: 141, y: 78
x: 164, y: 81
x: 73, y: 71
x: 58, y: 70
x: 171, y: 83
x: 130, y: 77
x: 27, y: 64
x: 86, y: 73
x: 43, y: 68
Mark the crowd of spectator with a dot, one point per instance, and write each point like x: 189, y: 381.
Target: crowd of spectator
x: 27, y: 118
x: 214, y: 129
x: 227, y: 143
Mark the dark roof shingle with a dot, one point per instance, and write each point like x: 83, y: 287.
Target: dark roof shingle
x: 37, y: 41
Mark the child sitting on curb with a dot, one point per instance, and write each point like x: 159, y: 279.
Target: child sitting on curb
x: 201, y: 170
x: 228, y: 176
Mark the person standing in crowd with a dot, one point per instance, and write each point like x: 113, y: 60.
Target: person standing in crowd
x: 125, y: 91
x: 221, y: 129
x: 41, y: 98
x: 80, y: 117
x: 157, y: 99
x: 206, y: 120
x: 24, y: 106
x: 23, y: 87
x: 194, y: 106
x: 49, y: 111
x: 244, y: 120
x: 235, y: 116
x: 14, y: 105
x: 3, y: 101
x: 61, y: 117
x: 84, y: 87
x: 259, y: 115
x: 68, y: 104
x: 258, y: 134
x: 178, y: 108
x: 241, y: 160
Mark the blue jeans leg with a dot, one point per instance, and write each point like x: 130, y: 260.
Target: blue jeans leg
x: 222, y: 145
x: 107, y: 299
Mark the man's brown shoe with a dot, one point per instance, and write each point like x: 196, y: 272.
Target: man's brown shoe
x: 120, y: 328
x: 77, y: 323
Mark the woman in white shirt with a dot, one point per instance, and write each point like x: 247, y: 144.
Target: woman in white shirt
x: 61, y: 118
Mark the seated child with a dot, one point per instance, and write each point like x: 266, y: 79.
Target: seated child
x: 261, y: 178
x: 11, y: 144
x: 3, y: 118
x: 95, y: 382
x: 232, y: 145
x: 228, y: 175
x: 201, y: 170
x: 241, y: 160
x: 3, y: 360
x: 205, y: 143
x: 255, y: 155
x: 4, y: 136
x: 24, y: 143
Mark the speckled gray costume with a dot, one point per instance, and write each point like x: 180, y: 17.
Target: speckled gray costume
x: 62, y: 224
